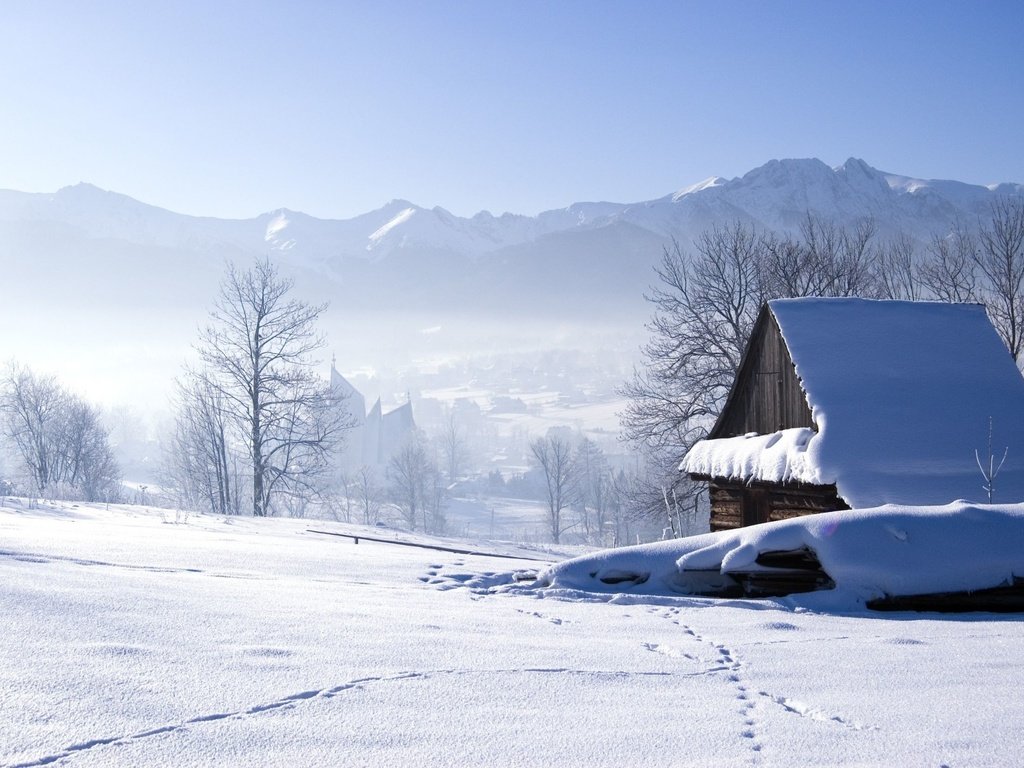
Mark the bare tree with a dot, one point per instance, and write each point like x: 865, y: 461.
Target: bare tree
x: 436, y: 500
x: 592, y: 494
x: 950, y: 274
x: 553, y: 456
x: 1000, y: 259
x: 368, y: 492
x: 856, y: 263
x: 897, y: 275
x: 202, y: 457
x: 825, y: 260
x: 89, y: 465
x: 790, y: 268
x: 34, y: 408
x: 705, y: 308
x: 452, y: 441
x: 410, y: 483
x: 258, y: 349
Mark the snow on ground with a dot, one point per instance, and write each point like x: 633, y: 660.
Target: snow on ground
x: 135, y: 637
x: 495, y: 517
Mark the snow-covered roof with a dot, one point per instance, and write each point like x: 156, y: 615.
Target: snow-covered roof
x: 901, y: 394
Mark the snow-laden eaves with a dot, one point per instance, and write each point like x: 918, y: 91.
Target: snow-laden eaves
x: 781, y: 457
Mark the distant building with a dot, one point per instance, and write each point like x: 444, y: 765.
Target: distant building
x: 843, y: 403
x: 376, y: 436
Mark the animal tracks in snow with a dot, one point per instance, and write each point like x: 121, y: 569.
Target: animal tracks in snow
x: 720, y: 658
x: 805, y: 710
x: 288, y: 701
x: 668, y: 650
x: 482, y: 582
x: 296, y: 699
x: 538, y: 615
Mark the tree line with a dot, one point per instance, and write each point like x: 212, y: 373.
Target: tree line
x: 584, y: 494
x: 58, y: 438
x: 707, y: 298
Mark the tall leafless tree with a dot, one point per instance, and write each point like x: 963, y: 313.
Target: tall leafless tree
x: 415, y: 485
x: 553, y: 455
x: 33, y: 408
x: 258, y: 350
x: 202, y: 459
x: 593, y: 489
x: 705, y: 308
x: 897, y: 274
x: 1000, y: 260
x: 949, y: 273
x: 823, y: 260
x: 367, y: 491
x: 452, y: 442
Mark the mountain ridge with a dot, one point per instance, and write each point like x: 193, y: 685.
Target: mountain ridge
x: 774, y: 195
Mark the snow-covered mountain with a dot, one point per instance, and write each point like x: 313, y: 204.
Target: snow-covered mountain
x: 776, y: 195
x: 599, y: 250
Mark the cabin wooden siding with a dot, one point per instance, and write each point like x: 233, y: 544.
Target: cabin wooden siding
x: 735, y: 504
x: 767, y: 395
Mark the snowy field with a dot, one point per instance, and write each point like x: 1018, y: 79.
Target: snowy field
x: 133, y: 638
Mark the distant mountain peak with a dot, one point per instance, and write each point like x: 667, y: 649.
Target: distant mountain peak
x: 708, y: 183
x: 83, y: 190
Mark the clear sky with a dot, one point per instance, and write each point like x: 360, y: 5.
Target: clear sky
x: 235, y: 108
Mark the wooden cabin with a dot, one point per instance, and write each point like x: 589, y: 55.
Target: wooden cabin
x: 842, y: 403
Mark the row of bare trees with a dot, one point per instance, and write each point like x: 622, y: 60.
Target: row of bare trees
x: 58, y: 438
x: 583, y: 493
x: 706, y: 301
x: 411, y: 484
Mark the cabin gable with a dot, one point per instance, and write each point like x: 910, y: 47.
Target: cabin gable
x: 767, y: 396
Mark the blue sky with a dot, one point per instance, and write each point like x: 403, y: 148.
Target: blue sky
x: 236, y: 108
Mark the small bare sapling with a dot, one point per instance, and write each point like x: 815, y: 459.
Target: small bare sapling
x: 989, y: 470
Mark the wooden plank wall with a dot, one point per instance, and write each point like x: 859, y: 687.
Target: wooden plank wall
x: 734, y: 505
x: 767, y: 395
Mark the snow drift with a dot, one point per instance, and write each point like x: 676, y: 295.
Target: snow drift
x: 869, y: 554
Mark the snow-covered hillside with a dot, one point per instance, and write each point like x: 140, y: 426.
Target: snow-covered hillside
x: 135, y: 637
